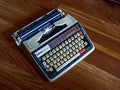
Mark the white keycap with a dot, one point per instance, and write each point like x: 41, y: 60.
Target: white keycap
x: 54, y: 51
x: 60, y: 46
x: 58, y: 54
x: 62, y: 61
x: 55, y: 66
x: 57, y: 49
x: 47, y: 66
x: 66, y: 42
x: 86, y: 43
x: 65, y: 59
x: 58, y: 59
x: 58, y: 64
x: 50, y: 69
x: 61, y: 51
x: 63, y: 44
x: 51, y: 58
x: 78, y: 34
x: 54, y: 61
x: 72, y: 38
x: 54, y: 56
x: 48, y: 61
x: 75, y: 35
x: 71, y: 55
x: 76, y: 46
x: 61, y: 56
x: 80, y: 47
x: 69, y: 40
x: 44, y: 63
x: 50, y: 53
x: 51, y: 63
x: 70, y: 50
x: 47, y: 55
x: 43, y: 58
x: 82, y: 37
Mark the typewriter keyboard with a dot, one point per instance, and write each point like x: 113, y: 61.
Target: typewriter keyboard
x: 64, y: 53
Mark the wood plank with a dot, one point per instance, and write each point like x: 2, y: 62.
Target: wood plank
x: 98, y: 71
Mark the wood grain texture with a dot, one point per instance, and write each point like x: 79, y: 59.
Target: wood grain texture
x: 99, y: 71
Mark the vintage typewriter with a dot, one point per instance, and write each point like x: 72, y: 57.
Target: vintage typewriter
x: 54, y: 42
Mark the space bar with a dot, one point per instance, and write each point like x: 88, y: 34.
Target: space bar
x: 66, y: 63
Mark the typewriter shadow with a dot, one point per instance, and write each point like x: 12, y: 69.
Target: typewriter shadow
x: 6, y: 34
x: 7, y: 38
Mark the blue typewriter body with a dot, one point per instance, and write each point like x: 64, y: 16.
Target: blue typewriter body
x: 54, y: 42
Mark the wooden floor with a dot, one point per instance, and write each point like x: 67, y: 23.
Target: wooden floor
x: 99, y: 71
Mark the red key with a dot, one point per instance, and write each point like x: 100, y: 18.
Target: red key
x: 80, y: 32
x: 82, y: 51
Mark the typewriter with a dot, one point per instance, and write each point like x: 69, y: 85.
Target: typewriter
x: 54, y: 43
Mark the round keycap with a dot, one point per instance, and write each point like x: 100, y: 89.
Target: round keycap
x: 63, y: 44
x: 66, y: 42
x: 82, y: 41
x: 70, y: 50
x: 54, y: 51
x: 79, y: 44
x: 70, y: 45
x: 50, y: 53
x: 60, y: 46
x: 64, y: 49
x: 57, y: 49
x: 74, y: 52
x: 51, y: 63
x: 71, y: 55
x: 73, y: 43
x: 62, y: 61
x: 48, y: 61
x: 81, y: 36
x: 77, y: 50
x: 86, y: 43
x: 54, y: 56
x: 50, y: 69
x: 54, y: 61
x: 58, y: 59
x: 47, y: 66
x: 43, y: 58
x: 51, y: 58
x: 67, y: 52
x: 72, y: 38
x: 58, y: 54
x: 80, y: 47
x: 44, y: 63
x: 64, y: 54
x: 65, y: 59
x: 58, y: 64
x: 67, y: 47
x: 55, y: 66
x: 75, y: 35
x: 73, y: 48
x: 47, y: 55
x: 61, y: 56
x: 79, y: 39
x: 76, y: 41
x: 78, y: 34
x: 76, y: 46
x: 61, y: 51
x: 69, y: 40
x: 68, y: 57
